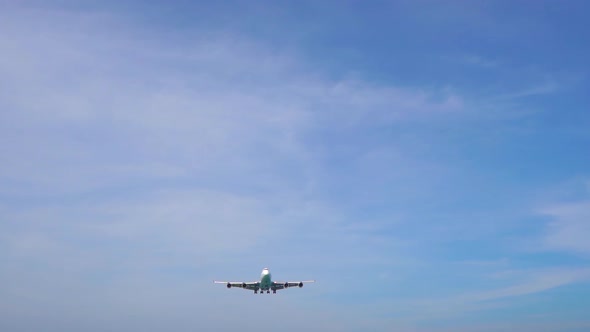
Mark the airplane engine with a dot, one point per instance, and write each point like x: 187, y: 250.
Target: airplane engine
x: 243, y: 285
x: 300, y: 284
x: 228, y: 285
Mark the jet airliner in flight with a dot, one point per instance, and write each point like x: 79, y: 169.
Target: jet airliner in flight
x: 265, y: 284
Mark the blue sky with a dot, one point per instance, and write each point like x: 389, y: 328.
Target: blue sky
x: 426, y: 162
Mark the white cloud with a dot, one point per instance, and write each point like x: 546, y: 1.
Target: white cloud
x: 547, y: 87
x: 569, y: 228
x: 480, y: 61
x: 139, y: 164
x: 129, y: 155
x: 470, y: 302
x: 535, y: 282
x: 93, y: 106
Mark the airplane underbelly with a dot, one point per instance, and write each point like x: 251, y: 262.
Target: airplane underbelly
x: 265, y: 282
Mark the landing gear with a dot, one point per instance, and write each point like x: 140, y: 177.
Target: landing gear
x: 255, y: 292
x: 267, y: 292
x: 274, y: 291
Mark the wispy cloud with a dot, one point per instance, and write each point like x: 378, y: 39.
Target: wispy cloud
x: 139, y: 163
x: 110, y: 106
x: 124, y: 149
x: 537, y: 281
x: 480, y: 61
x: 543, y: 88
x: 440, y: 310
x: 569, y: 228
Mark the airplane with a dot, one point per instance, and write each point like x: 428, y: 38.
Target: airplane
x: 265, y: 284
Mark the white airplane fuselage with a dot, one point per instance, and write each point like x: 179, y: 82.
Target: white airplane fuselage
x: 265, y: 280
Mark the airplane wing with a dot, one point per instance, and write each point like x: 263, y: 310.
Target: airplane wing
x: 240, y: 284
x: 287, y: 284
